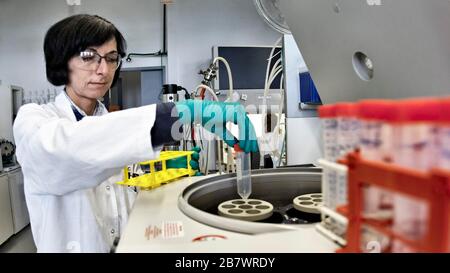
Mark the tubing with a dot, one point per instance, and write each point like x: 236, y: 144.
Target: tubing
x: 230, y: 76
x: 209, y: 89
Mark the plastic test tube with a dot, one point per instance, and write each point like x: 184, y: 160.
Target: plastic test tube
x: 348, y: 128
x: 444, y: 136
x: 328, y: 117
x: 376, y: 144
x: 243, y: 173
x: 414, y: 144
x: 327, y: 114
x: 415, y: 148
x: 347, y: 141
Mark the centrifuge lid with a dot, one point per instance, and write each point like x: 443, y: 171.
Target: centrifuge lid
x: 373, y: 48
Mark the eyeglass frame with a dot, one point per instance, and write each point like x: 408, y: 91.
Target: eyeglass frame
x: 119, y: 60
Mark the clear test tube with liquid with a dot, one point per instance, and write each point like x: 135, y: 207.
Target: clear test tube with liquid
x: 243, y: 173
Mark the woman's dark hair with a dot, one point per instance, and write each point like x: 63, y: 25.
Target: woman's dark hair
x: 70, y: 36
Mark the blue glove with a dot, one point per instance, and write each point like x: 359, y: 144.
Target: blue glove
x: 213, y: 116
x: 181, y: 162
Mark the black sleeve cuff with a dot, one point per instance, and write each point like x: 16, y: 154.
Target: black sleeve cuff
x: 161, y: 132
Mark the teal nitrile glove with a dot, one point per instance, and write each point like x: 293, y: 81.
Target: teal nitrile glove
x: 181, y: 162
x: 213, y: 116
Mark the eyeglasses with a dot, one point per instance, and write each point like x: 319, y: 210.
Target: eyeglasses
x: 90, y: 60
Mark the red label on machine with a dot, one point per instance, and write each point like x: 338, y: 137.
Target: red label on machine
x: 206, y: 238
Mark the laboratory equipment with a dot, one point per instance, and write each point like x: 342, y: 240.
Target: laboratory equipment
x: 11, y: 100
x: 444, y: 135
x: 158, y: 174
x: 404, y: 133
x: 310, y: 203
x: 209, y: 74
x: 329, y: 121
x: 339, y: 135
x: 249, y: 71
x: 415, y: 133
x: 415, y: 146
x: 375, y: 142
x: 243, y: 173
x: 7, y: 152
x: 347, y: 62
x: 410, y: 216
x: 411, y: 229
x: 13, y: 210
x: 272, y: 15
x: 373, y: 241
x: 299, y: 113
x: 376, y: 131
x: 17, y: 196
x: 248, y: 209
x: 214, y: 148
x: 170, y: 93
x: 257, y: 83
x: 399, y: 144
x: 362, y: 36
x: 200, y: 200
x: 349, y: 44
x: 309, y: 97
x: 249, y: 66
x: 6, y: 224
x: 6, y: 112
x: 192, y: 206
x: 348, y: 128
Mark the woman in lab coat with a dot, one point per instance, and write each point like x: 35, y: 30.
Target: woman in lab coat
x: 72, y: 151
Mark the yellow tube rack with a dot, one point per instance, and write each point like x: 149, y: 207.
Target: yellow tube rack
x: 156, y: 177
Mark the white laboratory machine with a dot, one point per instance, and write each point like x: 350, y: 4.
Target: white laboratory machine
x: 17, y: 198
x: 353, y: 50
x: 6, y: 223
x: 13, y: 211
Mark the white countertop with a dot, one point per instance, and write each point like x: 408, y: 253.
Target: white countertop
x: 158, y: 207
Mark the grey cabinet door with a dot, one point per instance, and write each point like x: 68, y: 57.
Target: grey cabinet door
x: 6, y: 223
x: 151, y: 85
x: 18, y: 203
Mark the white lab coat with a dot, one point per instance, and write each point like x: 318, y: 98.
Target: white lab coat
x: 70, y: 169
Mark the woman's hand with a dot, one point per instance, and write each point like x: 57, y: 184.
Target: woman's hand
x: 181, y: 162
x: 213, y: 116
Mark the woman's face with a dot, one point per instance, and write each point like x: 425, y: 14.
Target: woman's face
x: 88, y: 78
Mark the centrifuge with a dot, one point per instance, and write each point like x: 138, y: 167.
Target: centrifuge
x: 183, y: 216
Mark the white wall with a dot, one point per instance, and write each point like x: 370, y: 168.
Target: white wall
x: 23, y: 25
x: 22, y: 28
x: 197, y: 25
x: 194, y: 27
